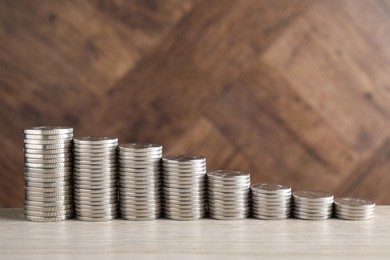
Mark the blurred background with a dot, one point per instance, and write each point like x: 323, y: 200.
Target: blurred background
x: 294, y: 91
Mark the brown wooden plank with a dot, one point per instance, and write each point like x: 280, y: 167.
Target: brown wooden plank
x: 370, y: 179
x: 264, y: 140
x: 276, y: 97
x: 205, y: 51
x: 57, y: 57
x: 325, y: 63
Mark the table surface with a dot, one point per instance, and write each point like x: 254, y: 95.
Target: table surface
x: 206, y: 238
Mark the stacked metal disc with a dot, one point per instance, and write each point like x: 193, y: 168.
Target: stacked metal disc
x: 312, y: 205
x: 95, y: 178
x: 354, y: 209
x: 184, y: 186
x: 228, y: 194
x: 140, y: 181
x: 271, y: 201
x: 48, y: 173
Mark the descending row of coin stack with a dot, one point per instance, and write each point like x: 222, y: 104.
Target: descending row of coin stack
x: 149, y: 185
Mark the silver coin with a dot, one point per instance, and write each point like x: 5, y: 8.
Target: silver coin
x: 48, y: 219
x: 43, y: 151
x: 184, y: 168
x: 91, y: 210
x: 48, y: 137
x: 312, y: 207
x: 141, y: 147
x: 355, y: 218
x: 227, y: 174
x: 44, y: 208
x: 97, y: 196
x: 48, y: 161
x: 312, y: 196
x: 313, y: 212
x: 47, y: 204
x: 265, y: 217
x: 235, y: 217
x: 49, y: 180
x: 48, y: 141
x: 138, y: 158
x: 309, y: 217
x: 353, y: 203
x: 47, y: 156
x: 96, y: 140
x: 229, y: 213
x: 48, y: 213
x: 271, y: 197
x: 48, y: 146
x: 229, y: 183
x: 48, y: 193
x: 185, y: 218
x: 94, y: 201
x: 184, y: 158
x: 147, y: 177
x: 48, y: 130
x: 105, y: 152
x: 52, y: 189
x: 48, y: 165
x: 141, y: 218
x: 355, y: 212
x: 97, y: 219
x: 271, y: 188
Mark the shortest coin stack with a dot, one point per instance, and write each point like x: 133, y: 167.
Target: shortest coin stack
x: 95, y: 178
x: 354, y: 209
x: 313, y: 205
x: 228, y: 194
x: 271, y: 201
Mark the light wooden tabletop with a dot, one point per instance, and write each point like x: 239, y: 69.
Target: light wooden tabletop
x: 205, y: 239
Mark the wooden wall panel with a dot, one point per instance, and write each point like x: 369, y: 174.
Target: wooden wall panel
x: 292, y: 91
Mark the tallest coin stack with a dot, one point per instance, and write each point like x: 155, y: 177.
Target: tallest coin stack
x: 48, y: 173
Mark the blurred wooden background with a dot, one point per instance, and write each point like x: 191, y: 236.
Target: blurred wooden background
x: 293, y: 91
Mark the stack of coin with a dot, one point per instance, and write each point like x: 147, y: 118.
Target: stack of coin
x: 95, y: 178
x: 271, y: 201
x: 312, y: 205
x: 140, y: 181
x: 184, y: 186
x: 228, y: 194
x: 354, y: 209
x: 48, y: 173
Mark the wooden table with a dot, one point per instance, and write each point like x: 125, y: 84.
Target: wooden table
x: 206, y: 239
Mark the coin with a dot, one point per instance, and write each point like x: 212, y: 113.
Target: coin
x: 48, y: 173
x: 312, y: 205
x: 140, y: 180
x: 228, y: 194
x: 95, y: 178
x: 48, y: 130
x: 354, y: 208
x: 184, y: 186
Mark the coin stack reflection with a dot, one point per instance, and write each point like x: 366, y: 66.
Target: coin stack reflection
x: 48, y: 173
x: 95, y: 178
x: 354, y: 209
x: 228, y: 194
x: 184, y: 186
x: 312, y: 205
x: 271, y: 201
x: 140, y: 181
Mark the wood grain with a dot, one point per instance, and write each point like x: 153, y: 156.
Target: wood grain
x: 206, y: 239
x: 292, y: 91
